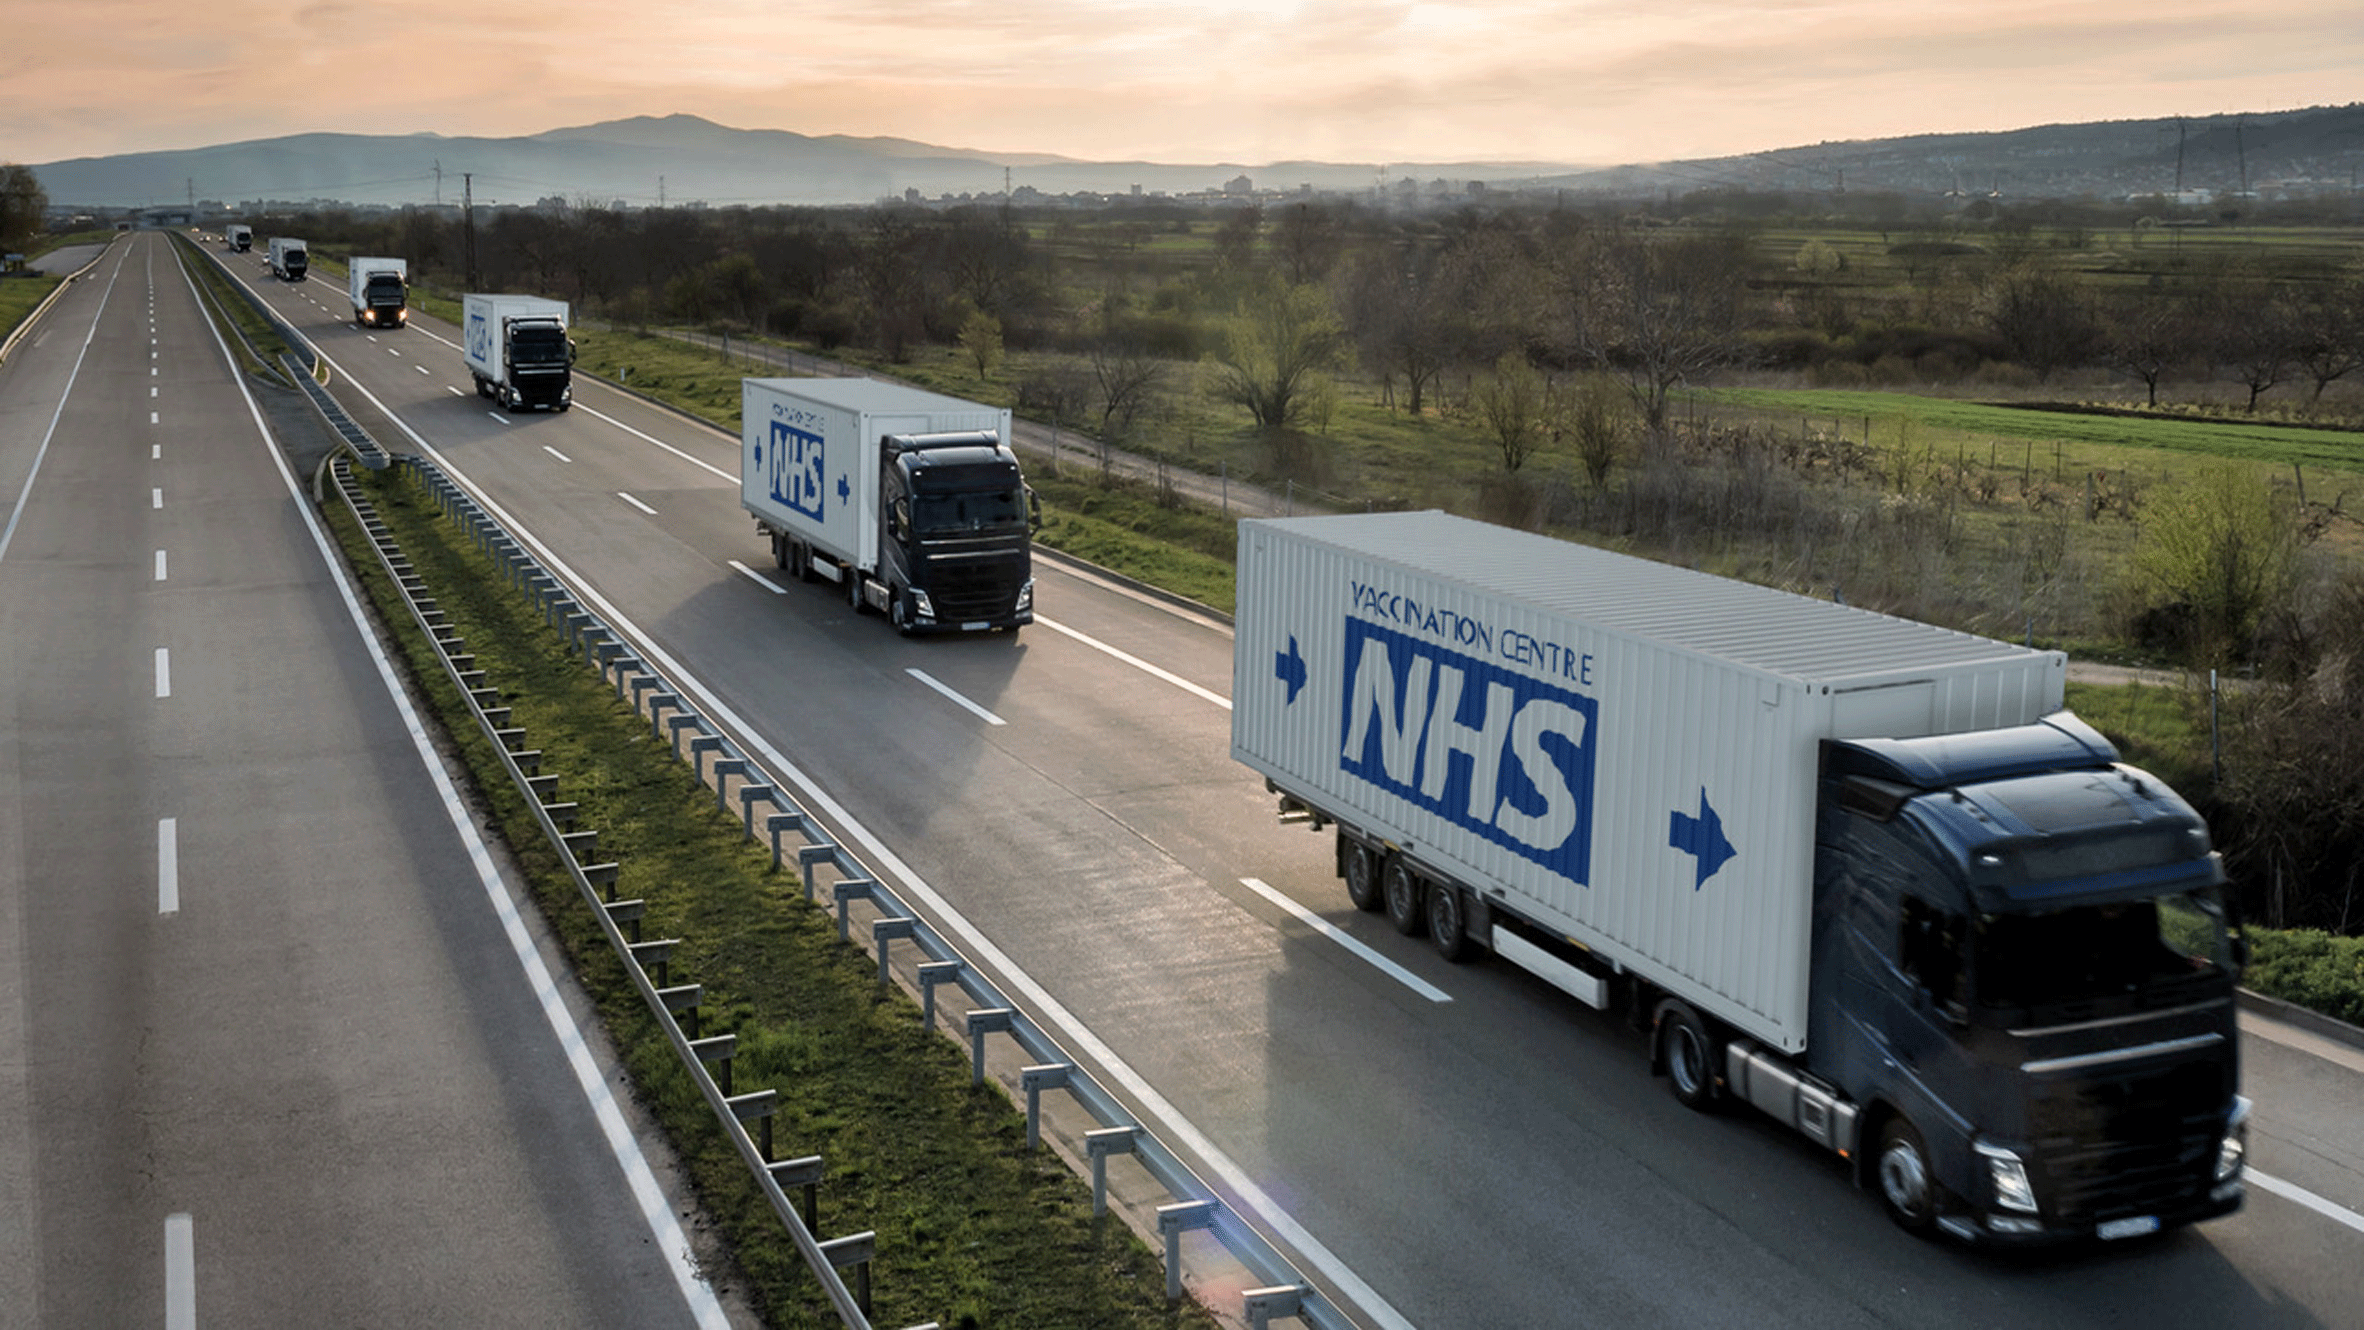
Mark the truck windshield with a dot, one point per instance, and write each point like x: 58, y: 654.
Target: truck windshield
x: 537, y: 346
x: 385, y: 288
x: 963, y: 512
x: 2097, y: 951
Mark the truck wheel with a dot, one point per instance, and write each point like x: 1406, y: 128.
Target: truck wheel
x: 853, y: 588
x: 779, y: 550
x: 800, y: 560
x: 1689, y: 1054
x: 897, y: 613
x: 1362, y: 878
x: 1402, y: 887
x: 1448, y: 922
x: 1907, y: 1190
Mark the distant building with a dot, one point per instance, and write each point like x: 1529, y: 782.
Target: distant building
x: 1239, y: 185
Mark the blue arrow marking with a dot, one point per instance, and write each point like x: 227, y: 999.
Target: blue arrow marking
x: 1702, y: 837
x: 1290, y: 669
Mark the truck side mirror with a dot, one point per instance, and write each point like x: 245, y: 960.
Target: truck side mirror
x: 1033, y: 511
x: 570, y: 352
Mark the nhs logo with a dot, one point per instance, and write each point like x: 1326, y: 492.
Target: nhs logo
x: 794, y: 467
x: 1503, y: 755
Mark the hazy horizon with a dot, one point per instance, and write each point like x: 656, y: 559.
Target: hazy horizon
x: 1248, y: 81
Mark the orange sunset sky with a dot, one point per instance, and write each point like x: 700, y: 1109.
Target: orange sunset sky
x: 1576, y: 81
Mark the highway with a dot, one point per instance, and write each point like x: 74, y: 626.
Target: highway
x: 1438, y: 1146
x: 276, y: 1045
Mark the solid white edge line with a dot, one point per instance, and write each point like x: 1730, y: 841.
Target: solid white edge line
x: 168, y: 865
x: 2291, y: 1191
x: 24, y: 495
x: 163, y: 671
x: 1167, y: 1120
x: 760, y: 580
x: 1136, y: 662
x: 636, y: 503
x: 655, y: 1210
x: 1352, y: 944
x: 972, y: 708
x: 180, y: 1272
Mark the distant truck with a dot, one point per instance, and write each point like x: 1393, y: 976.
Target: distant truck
x: 518, y: 351
x: 289, y: 259
x: 912, y: 501
x: 1861, y: 873
x: 379, y: 291
x: 239, y: 237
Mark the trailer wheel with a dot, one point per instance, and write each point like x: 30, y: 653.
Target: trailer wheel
x: 1403, y: 890
x: 1448, y: 922
x: 1689, y: 1054
x: 800, y: 560
x: 1362, y: 878
x: 779, y: 550
x: 1907, y: 1191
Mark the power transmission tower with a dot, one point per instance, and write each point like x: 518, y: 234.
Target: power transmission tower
x: 468, y: 211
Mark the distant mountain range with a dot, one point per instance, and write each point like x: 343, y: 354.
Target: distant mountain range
x: 681, y: 159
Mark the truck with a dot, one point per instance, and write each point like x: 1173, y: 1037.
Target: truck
x: 289, y: 259
x: 239, y: 237
x: 518, y: 351
x: 379, y: 289
x: 911, y: 501
x: 1861, y: 874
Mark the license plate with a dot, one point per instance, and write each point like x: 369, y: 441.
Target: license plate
x: 977, y: 626
x: 2127, y: 1228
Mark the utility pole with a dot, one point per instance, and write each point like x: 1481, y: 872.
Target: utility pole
x: 660, y: 193
x: 439, y: 184
x: 468, y: 212
x: 2179, y: 133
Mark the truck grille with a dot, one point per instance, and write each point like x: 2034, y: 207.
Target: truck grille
x: 2141, y: 1142
x: 965, y: 589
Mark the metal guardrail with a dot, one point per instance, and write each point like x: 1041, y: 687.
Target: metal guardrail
x: 296, y: 341
x: 736, y: 776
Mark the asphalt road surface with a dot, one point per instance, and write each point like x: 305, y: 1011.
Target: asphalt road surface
x: 275, y: 1047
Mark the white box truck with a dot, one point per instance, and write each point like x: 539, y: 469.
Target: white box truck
x: 379, y: 289
x: 289, y: 258
x: 1861, y: 873
x: 518, y: 351
x: 239, y: 237
x: 911, y: 500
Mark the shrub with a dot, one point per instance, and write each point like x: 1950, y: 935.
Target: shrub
x: 2310, y: 968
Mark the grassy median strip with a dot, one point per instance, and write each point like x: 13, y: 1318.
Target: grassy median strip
x: 254, y: 340
x: 973, y: 1229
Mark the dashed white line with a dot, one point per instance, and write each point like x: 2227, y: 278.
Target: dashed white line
x: 557, y: 454
x: 1137, y: 663
x: 2291, y: 1191
x: 155, y: 498
x: 1332, y: 932
x: 424, y: 370
x: 163, y: 671
x: 168, y: 865
x: 453, y: 391
x: 153, y: 416
x: 180, y: 1272
x: 159, y: 565
x: 636, y: 503
x: 981, y: 713
x: 155, y: 452
x: 760, y: 580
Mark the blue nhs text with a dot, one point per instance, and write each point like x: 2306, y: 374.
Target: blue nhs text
x: 1503, y: 755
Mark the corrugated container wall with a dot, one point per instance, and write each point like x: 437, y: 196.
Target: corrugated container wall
x: 1620, y: 750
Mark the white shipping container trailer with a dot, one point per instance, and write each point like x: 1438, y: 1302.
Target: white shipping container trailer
x: 1619, y: 751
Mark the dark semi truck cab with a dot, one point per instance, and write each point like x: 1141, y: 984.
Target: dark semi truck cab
x: 958, y: 524
x: 2022, y: 985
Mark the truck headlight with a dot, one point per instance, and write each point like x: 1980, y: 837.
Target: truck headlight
x: 1025, y: 596
x: 2008, y: 1177
x: 921, y: 605
x: 2233, y: 1150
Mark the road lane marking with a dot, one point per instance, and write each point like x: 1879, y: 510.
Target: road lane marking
x: 152, y: 415
x: 2291, y: 1191
x: 155, y: 498
x: 453, y: 391
x: 931, y: 681
x: 25, y: 492
x: 650, y: 438
x: 557, y: 454
x: 159, y: 565
x: 155, y: 452
x: 1136, y: 662
x: 656, y: 1209
x: 498, y: 416
x: 424, y: 370
x: 1343, y: 939
x: 168, y: 865
x: 163, y: 671
x: 180, y: 1272
x: 636, y: 503
x: 154, y: 391
x: 760, y: 580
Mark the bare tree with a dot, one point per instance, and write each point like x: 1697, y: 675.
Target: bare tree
x: 2146, y: 334
x: 1517, y: 407
x: 2328, y: 330
x: 2041, y: 315
x: 1275, y: 351
x: 1658, y: 311
x: 1307, y: 238
x: 1130, y: 379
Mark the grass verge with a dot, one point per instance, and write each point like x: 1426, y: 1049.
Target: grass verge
x: 254, y: 339
x: 973, y: 1229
